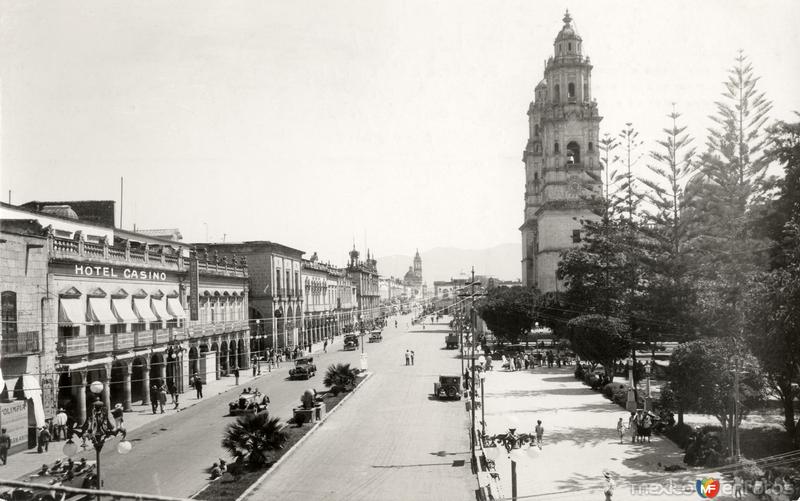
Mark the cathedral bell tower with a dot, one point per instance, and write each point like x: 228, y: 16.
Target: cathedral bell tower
x: 562, y: 166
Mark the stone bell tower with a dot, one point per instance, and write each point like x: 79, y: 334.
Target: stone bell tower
x: 562, y: 166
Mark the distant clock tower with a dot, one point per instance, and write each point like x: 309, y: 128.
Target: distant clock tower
x: 562, y: 167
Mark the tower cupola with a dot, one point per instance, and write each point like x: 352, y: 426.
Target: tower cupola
x: 568, y: 42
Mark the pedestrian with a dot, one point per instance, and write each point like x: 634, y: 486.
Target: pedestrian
x: 5, y: 444
x: 412, y: 357
x: 408, y: 357
x: 633, y: 426
x: 44, y: 439
x: 325, y: 346
x: 60, y: 424
x: 236, y: 375
x: 162, y: 397
x: 608, y: 490
x: 539, y: 432
x: 198, y: 385
x: 154, y: 397
x: 117, y: 414
x: 254, y: 363
x: 620, y: 429
x: 173, y: 391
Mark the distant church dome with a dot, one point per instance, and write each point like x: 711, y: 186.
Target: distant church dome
x: 64, y: 211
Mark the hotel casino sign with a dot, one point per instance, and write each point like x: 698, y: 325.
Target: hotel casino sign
x: 124, y: 273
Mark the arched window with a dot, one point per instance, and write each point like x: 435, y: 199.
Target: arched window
x: 571, y: 90
x: 556, y: 148
x: 569, y: 47
x: 9, y: 313
x: 556, y: 94
x: 591, y: 146
x: 575, y: 151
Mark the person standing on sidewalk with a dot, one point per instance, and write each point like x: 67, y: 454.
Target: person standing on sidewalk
x: 621, y: 430
x: 198, y: 385
x: 412, y: 357
x: 173, y: 391
x: 44, y: 440
x: 325, y: 346
x: 254, y: 363
x: 60, y: 424
x: 154, y: 397
x: 408, y: 357
x: 236, y: 375
x: 5, y: 444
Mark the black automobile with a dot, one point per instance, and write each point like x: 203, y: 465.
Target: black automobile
x: 304, y: 368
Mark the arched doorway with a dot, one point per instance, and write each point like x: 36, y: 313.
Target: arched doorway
x: 232, y: 355
x: 223, y: 358
x: 137, y: 380
x: 289, y: 331
x: 117, y: 383
x: 66, y: 393
x: 215, y: 349
x: 193, y: 365
x: 243, y: 362
x: 158, y: 370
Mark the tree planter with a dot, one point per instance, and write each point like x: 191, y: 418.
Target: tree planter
x: 302, y: 415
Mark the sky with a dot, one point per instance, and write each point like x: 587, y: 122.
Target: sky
x: 396, y: 125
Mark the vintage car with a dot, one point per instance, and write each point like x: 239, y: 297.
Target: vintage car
x: 350, y: 342
x: 249, y: 401
x: 448, y: 387
x: 451, y: 341
x: 304, y: 368
x: 375, y: 336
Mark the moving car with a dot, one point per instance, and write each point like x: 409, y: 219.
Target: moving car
x: 304, y: 368
x: 249, y: 401
x: 448, y: 387
x: 375, y: 337
x: 451, y: 341
x: 350, y: 342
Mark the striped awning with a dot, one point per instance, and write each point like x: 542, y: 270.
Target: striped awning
x: 123, y: 309
x: 160, y: 309
x: 70, y: 311
x: 174, y: 308
x: 100, y: 311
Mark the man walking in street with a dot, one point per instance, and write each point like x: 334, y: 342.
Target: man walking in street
x: 539, y: 433
x: 44, y: 440
x: 412, y: 357
x: 60, y: 425
x: 154, y: 397
x: 5, y: 444
x: 408, y: 358
x: 254, y: 363
x: 236, y: 375
x: 325, y: 346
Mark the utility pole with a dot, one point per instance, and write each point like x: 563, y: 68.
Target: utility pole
x: 472, y: 363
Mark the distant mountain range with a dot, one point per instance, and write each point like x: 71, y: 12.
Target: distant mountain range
x: 444, y: 263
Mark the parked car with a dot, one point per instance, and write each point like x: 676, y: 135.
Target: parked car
x: 249, y: 401
x: 350, y: 342
x: 451, y: 341
x: 304, y: 368
x: 448, y: 387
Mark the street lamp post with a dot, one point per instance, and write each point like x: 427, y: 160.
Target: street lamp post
x: 98, y: 429
x: 483, y: 407
x: 630, y: 404
x: 647, y: 403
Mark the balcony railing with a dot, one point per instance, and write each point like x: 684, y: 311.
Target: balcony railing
x: 20, y: 343
x: 123, y: 341
x: 73, y: 346
x: 100, y: 343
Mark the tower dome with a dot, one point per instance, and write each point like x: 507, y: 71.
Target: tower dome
x: 568, y: 42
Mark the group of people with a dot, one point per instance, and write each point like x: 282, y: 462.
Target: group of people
x: 409, y: 357
x: 158, y: 396
x: 65, y: 472
x: 520, y: 361
x: 640, y: 425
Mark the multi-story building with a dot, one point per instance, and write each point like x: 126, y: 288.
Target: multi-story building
x: 413, y: 277
x: 364, y: 275
x: 323, y: 315
x: 276, y: 291
x: 562, y: 167
x: 84, y: 301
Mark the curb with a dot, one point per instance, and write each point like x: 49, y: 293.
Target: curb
x: 289, y: 452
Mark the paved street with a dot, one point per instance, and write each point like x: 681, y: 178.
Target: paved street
x: 392, y: 440
x: 580, y: 441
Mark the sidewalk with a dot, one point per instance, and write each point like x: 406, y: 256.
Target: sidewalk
x: 580, y: 442
x: 22, y: 464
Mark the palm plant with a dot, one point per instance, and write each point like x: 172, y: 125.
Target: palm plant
x: 251, y: 436
x: 339, y: 377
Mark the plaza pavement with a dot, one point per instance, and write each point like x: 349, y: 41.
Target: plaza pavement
x: 23, y: 463
x: 580, y: 442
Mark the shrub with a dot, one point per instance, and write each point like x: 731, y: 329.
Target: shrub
x: 679, y: 434
x: 579, y: 371
x: 611, y: 388
x: 251, y: 436
x: 307, y: 400
x: 705, y: 448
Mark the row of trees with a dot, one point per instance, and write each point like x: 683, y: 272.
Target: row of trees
x: 704, y: 249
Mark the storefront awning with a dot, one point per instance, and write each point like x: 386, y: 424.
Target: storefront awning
x: 160, y: 309
x: 142, y: 308
x: 70, y: 311
x: 174, y: 308
x: 100, y: 311
x: 123, y: 310
x: 32, y: 390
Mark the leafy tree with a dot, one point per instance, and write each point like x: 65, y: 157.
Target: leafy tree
x: 701, y: 375
x: 251, y: 436
x: 773, y: 298
x: 599, y: 339
x: 508, y: 311
x: 339, y: 377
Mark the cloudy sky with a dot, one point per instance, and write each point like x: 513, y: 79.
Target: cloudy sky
x: 313, y: 123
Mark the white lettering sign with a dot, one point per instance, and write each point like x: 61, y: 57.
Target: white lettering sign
x: 111, y: 272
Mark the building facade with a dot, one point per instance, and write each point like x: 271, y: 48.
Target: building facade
x: 276, y: 291
x: 413, y: 277
x: 364, y: 276
x: 84, y: 302
x: 562, y: 167
x: 326, y: 291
